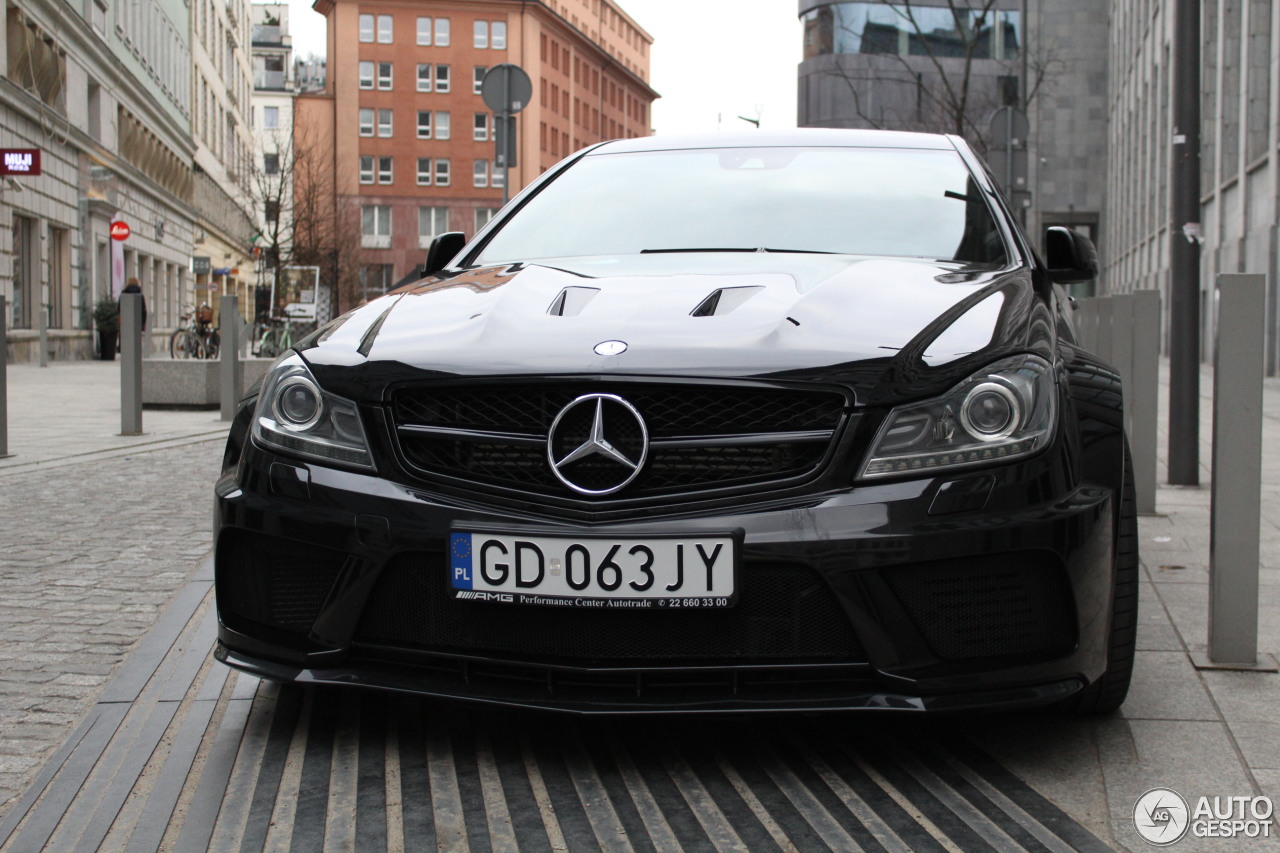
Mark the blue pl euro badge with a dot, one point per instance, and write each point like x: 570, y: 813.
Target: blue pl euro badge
x: 460, y: 560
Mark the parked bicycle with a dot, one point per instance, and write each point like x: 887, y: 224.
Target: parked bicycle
x: 197, y: 337
x: 276, y: 337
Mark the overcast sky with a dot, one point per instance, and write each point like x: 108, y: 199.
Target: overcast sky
x: 712, y: 60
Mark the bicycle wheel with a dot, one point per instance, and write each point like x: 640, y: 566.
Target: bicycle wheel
x: 211, y: 344
x: 181, y: 344
x: 269, y: 345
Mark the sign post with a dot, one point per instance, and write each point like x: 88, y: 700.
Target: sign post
x: 506, y: 90
x: 119, y: 232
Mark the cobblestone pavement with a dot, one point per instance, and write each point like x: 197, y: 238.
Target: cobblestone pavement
x: 90, y: 552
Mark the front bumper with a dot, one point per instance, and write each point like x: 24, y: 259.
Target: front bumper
x: 999, y: 602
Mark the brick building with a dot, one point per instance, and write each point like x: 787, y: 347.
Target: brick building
x: 408, y: 137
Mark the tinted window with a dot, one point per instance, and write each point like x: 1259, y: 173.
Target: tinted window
x: 861, y: 201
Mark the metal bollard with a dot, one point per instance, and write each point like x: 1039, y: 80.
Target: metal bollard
x: 131, y: 364
x: 1122, y: 351
x: 1103, y: 346
x: 1144, y: 382
x: 230, y: 371
x: 4, y: 381
x: 44, y: 336
x: 1235, y: 508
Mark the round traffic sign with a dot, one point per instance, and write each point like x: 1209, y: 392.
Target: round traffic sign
x: 506, y: 88
x: 119, y: 230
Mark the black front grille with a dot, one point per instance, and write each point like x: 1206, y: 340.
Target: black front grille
x: 701, y: 436
x: 273, y: 582
x: 785, y: 613
x: 1004, y: 605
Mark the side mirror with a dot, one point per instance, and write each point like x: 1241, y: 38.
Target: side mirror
x: 1070, y: 255
x: 442, y: 250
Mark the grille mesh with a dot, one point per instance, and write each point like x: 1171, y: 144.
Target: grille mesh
x: 1004, y: 605
x: 784, y: 613
x: 274, y: 582
x: 702, y: 413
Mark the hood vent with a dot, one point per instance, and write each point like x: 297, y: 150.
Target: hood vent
x: 570, y: 301
x: 724, y: 300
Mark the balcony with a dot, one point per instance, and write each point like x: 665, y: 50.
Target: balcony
x: 267, y: 35
x: 269, y: 81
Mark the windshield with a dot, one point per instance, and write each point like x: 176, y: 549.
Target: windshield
x: 859, y: 201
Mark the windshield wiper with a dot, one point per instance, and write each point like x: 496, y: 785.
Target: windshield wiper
x: 758, y: 249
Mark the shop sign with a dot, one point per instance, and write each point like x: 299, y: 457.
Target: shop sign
x: 120, y: 230
x: 19, y: 161
x: 201, y: 265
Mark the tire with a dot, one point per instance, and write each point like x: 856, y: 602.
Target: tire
x: 211, y: 345
x: 269, y: 346
x: 1108, y: 692
x: 180, y: 344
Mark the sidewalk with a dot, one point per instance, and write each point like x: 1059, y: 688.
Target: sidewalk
x: 70, y: 412
x: 98, y: 531
x: 101, y: 536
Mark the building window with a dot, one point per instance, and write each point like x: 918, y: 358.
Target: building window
x: 424, y: 32
x: 366, y: 121
x: 366, y: 169
x: 498, y: 177
x: 375, y: 226
x: 384, y: 29
x: 442, y: 32
x: 366, y: 28
x: 499, y: 35
x: 480, y: 131
x: 424, y: 77
x: 483, y: 215
x: 477, y: 78
x: 431, y: 222
x: 927, y: 31
x: 481, y: 34
x: 442, y: 173
x: 424, y: 124
x: 384, y: 75
x: 442, y: 125
x: 384, y: 170
x: 366, y: 75
x: 271, y: 164
x: 384, y: 122
x: 271, y: 118
x: 480, y: 174
x: 271, y: 211
x: 442, y: 78
x: 424, y: 171
x: 376, y: 279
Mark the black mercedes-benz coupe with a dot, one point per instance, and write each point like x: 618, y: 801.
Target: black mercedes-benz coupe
x: 779, y: 421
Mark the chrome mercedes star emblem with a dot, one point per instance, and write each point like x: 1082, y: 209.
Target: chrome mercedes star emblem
x: 611, y: 348
x: 597, y: 444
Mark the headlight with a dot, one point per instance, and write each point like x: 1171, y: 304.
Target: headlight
x: 295, y: 416
x: 1006, y: 411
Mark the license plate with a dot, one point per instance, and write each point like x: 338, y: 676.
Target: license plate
x: 588, y: 571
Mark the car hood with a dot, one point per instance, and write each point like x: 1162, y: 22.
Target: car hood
x: 843, y: 319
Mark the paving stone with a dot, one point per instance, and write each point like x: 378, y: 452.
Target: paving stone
x: 81, y: 589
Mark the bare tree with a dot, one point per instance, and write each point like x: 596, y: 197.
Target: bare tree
x: 271, y: 188
x: 937, y: 83
x: 325, y: 227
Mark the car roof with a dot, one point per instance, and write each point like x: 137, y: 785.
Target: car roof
x: 806, y: 136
